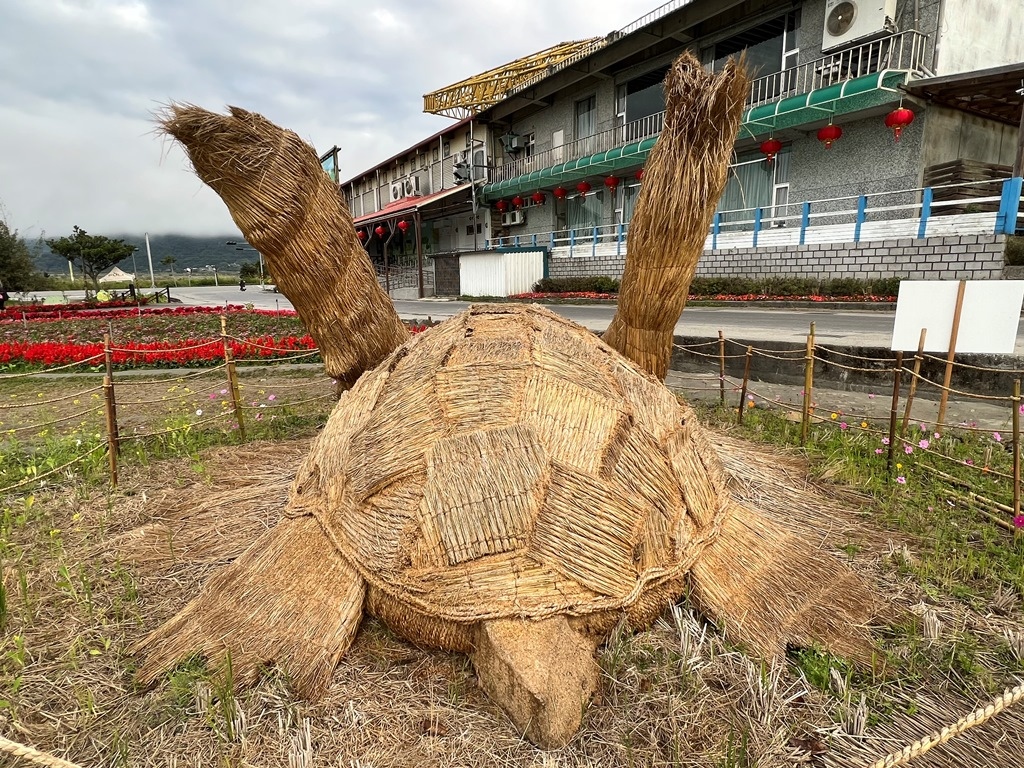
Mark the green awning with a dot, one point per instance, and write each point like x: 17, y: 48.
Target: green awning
x: 842, y: 98
x: 601, y: 163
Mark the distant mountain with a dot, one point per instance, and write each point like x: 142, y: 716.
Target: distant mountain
x: 190, y: 251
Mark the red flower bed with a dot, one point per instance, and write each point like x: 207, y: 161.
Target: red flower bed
x: 717, y: 297
x: 106, y: 312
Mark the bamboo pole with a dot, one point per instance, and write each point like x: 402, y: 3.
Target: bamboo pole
x: 805, y: 422
x: 918, y: 359
x: 743, y: 389
x: 108, y: 362
x: 721, y: 368
x: 110, y: 410
x: 232, y: 376
x: 948, y: 376
x: 893, y: 410
x: 1016, y: 448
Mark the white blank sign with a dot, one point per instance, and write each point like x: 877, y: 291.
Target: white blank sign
x: 988, y: 320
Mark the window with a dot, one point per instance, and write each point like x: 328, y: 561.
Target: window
x: 529, y: 143
x: 586, y: 122
x: 771, y: 49
x: 447, y: 148
x: 435, y: 155
x: 753, y: 183
x: 585, y: 213
x: 641, y: 102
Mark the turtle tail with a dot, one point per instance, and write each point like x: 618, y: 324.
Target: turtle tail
x: 770, y: 589
x: 290, y: 599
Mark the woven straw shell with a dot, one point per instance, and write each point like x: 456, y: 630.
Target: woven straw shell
x: 508, y: 463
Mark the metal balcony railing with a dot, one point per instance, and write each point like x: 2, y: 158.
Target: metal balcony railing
x: 902, y: 51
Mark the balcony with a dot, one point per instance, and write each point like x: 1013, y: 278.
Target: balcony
x: 902, y: 52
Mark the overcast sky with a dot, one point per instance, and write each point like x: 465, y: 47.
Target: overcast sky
x: 79, y: 80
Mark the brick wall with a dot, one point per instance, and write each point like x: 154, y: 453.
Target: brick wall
x: 974, y: 257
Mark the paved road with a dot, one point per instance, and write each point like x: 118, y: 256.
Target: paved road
x: 867, y: 327
x: 870, y: 328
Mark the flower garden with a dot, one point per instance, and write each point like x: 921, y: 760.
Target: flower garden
x: 42, y: 336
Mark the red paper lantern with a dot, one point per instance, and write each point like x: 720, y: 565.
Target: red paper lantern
x: 380, y: 231
x: 899, y: 119
x: 361, y: 234
x: 611, y: 182
x: 829, y: 134
x: 560, y: 192
x: 771, y: 148
x: 583, y: 187
x: 518, y: 201
x: 537, y: 197
x: 501, y: 205
x: 403, y: 225
x: 639, y: 175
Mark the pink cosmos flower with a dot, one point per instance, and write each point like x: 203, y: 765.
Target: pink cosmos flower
x: 878, y: 450
x: 923, y: 444
x: 1018, y: 521
x: 885, y: 441
x: 997, y: 437
x: 843, y: 425
x: 901, y: 480
x: 908, y: 449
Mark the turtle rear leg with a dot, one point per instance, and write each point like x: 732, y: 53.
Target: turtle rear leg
x: 290, y: 599
x: 542, y: 673
x: 770, y: 588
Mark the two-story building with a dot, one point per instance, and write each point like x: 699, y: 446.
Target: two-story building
x: 866, y: 119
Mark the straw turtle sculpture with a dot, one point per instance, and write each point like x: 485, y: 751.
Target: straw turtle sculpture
x: 505, y: 484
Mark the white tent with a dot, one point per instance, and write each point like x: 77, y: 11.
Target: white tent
x: 117, y: 275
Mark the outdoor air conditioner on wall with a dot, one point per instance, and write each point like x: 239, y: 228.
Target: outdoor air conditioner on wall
x: 512, y: 218
x: 847, y: 21
x: 405, y: 188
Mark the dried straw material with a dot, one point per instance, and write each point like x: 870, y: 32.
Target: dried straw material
x: 290, y: 211
x: 684, y: 177
x: 505, y: 466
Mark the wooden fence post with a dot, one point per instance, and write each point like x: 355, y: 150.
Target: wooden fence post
x: 1016, y: 448
x: 110, y: 409
x: 743, y: 389
x: 232, y: 376
x: 897, y: 373
x: 805, y: 421
x: 918, y: 359
x: 947, y: 377
x: 721, y: 368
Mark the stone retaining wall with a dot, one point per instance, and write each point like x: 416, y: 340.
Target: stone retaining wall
x: 972, y: 257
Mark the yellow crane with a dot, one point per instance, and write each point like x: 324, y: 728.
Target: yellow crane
x: 476, y: 93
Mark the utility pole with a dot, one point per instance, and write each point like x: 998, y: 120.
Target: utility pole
x: 149, y: 255
x: 1018, y: 163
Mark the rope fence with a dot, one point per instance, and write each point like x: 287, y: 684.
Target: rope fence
x: 899, y: 371
x: 112, y: 428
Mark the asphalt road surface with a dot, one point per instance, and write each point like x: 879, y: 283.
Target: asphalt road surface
x: 869, y: 328
x: 862, y: 328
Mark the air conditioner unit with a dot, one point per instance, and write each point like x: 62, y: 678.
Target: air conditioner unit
x: 405, y: 188
x: 512, y: 218
x: 847, y: 21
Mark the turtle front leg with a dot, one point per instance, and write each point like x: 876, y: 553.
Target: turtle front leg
x: 542, y: 673
x: 290, y: 599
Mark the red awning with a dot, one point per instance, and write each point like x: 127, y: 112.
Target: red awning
x: 406, y: 205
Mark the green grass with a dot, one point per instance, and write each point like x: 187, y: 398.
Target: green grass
x: 960, y: 548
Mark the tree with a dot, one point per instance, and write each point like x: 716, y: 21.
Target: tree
x: 92, y: 253
x: 250, y: 270
x: 169, y: 262
x: 17, y: 271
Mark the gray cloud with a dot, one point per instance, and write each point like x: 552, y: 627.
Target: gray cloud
x: 79, y: 80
